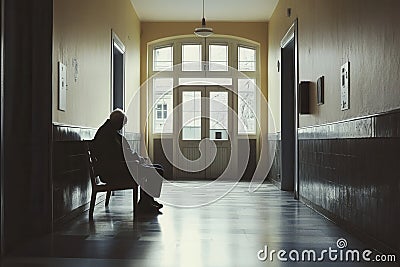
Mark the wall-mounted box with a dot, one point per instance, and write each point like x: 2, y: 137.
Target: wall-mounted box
x: 320, y: 90
x: 304, y: 97
x: 62, y: 86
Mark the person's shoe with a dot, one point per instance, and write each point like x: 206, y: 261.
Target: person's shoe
x: 157, y: 204
x: 147, y: 209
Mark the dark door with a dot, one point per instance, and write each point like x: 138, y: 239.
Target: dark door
x: 288, y: 129
x: 118, y: 76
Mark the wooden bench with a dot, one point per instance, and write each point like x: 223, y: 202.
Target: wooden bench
x: 99, y: 186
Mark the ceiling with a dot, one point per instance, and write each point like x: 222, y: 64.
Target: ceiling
x: 215, y: 10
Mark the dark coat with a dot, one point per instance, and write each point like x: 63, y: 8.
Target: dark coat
x: 112, y: 151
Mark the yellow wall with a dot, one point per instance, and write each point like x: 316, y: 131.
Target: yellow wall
x: 82, y: 31
x: 331, y: 32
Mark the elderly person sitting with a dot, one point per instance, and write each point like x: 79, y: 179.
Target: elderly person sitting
x: 116, y: 158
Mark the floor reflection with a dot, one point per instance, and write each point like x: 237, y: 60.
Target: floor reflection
x: 228, y: 232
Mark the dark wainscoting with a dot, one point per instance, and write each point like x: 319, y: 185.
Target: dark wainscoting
x: 349, y: 171
x: 71, y: 182
x: 274, y: 174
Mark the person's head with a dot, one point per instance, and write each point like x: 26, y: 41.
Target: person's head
x: 118, y: 119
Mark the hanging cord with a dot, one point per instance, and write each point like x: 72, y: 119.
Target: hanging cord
x: 203, y: 8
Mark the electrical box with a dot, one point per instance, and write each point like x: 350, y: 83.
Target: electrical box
x: 304, y: 97
x: 320, y: 90
x: 345, y: 86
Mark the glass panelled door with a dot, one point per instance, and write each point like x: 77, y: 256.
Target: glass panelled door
x: 204, y: 128
x: 219, y: 131
x: 190, y: 128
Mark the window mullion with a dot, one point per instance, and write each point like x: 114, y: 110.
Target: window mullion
x: 232, y: 61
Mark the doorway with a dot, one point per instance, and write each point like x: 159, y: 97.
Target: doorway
x: 289, y: 114
x: 205, y: 132
x: 1, y: 125
x: 117, y: 73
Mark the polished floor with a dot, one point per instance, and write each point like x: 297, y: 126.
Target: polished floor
x: 230, y: 231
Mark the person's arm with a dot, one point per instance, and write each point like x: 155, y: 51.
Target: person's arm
x: 129, y: 154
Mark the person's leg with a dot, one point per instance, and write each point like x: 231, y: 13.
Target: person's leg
x: 145, y: 198
x: 151, y: 177
x: 146, y: 203
x: 154, y: 174
x: 122, y: 175
x: 117, y: 175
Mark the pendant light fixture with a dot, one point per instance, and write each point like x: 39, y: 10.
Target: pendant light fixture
x: 203, y: 31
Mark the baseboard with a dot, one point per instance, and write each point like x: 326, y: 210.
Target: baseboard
x: 276, y: 183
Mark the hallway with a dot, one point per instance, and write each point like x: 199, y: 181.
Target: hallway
x: 228, y: 232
